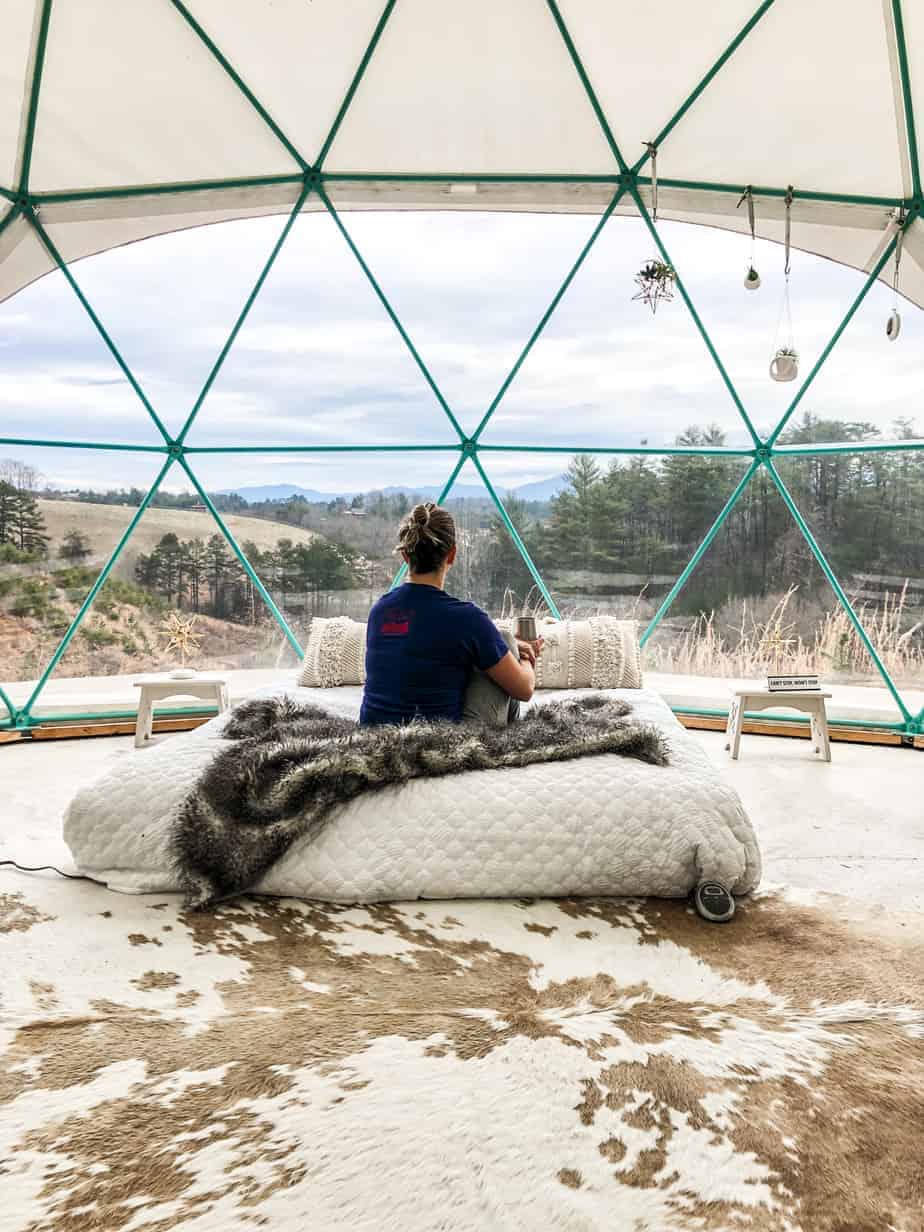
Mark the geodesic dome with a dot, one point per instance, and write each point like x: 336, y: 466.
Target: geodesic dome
x: 123, y: 121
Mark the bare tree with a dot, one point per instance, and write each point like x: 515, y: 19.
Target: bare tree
x: 20, y: 475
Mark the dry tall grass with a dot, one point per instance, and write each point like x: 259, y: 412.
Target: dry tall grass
x: 749, y: 638
x: 753, y: 645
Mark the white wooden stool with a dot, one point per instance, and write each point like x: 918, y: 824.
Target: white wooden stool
x: 159, y: 688
x: 810, y: 703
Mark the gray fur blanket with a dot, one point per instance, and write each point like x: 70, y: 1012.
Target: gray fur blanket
x: 291, y: 766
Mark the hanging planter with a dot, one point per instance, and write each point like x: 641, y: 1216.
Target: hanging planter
x: 751, y: 278
x: 784, y: 365
x: 894, y: 323
x: 656, y: 282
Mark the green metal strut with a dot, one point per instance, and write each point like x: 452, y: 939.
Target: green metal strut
x: 94, y: 591
x: 100, y: 328
x: 665, y: 256
x: 447, y: 488
x: 242, y: 316
x: 383, y: 300
x: 240, y: 83
x: 704, y: 82
x: 245, y: 563
x: 837, y: 588
x: 908, y: 104
x: 354, y: 84
x: 34, y: 90
x: 544, y: 319
x: 819, y: 363
x: 699, y: 553
x: 515, y: 536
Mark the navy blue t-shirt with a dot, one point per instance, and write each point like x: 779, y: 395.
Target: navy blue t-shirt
x: 421, y: 649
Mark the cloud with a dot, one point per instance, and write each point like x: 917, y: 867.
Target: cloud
x: 319, y: 362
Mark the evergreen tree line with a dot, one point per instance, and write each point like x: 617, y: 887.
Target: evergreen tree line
x: 646, y: 516
x: 205, y: 576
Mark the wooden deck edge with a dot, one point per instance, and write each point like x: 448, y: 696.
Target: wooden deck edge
x: 73, y: 731
x: 798, y: 731
x: 752, y: 727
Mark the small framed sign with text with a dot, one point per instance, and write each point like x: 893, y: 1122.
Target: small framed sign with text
x: 792, y: 684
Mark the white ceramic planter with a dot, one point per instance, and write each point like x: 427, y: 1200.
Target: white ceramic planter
x: 784, y: 367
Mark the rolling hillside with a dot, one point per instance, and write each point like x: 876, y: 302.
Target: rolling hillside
x: 104, y: 524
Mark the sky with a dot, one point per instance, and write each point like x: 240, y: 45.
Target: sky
x: 319, y: 362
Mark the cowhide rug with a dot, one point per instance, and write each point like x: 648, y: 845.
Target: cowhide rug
x: 574, y: 1065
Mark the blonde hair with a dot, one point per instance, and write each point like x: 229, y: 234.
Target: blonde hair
x: 426, y: 537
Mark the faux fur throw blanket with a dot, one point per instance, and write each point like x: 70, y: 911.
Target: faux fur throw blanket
x: 292, y: 765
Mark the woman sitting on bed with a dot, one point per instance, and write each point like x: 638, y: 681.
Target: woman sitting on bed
x: 429, y: 656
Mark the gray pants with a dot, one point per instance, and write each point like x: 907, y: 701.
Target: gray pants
x: 486, y: 701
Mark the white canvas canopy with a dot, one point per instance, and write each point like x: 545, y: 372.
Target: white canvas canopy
x: 122, y: 120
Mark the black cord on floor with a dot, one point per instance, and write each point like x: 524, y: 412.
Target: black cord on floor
x: 41, y: 868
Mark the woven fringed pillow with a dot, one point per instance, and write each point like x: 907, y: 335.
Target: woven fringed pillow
x: 599, y: 653
x: 335, y: 654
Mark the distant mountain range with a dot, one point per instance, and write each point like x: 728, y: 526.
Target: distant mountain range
x: 540, y: 490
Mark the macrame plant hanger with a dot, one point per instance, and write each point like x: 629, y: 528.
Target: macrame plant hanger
x: 655, y: 279
x: 894, y: 323
x: 784, y: 366
x: 751, y: 278
x: 653, y: 155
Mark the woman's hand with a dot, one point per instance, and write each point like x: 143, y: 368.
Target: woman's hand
x: 530, y: 651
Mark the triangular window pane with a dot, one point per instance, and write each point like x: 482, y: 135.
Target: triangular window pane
x: 169, y: 303
x: 318, y: 361
x: 62, y: 514
x: 469, y: 288
x: 60, y: 380
x: 606, y: 372
x: 758, y: 603
x: 319, y: 531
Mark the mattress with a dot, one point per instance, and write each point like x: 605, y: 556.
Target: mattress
x: 603, y: 825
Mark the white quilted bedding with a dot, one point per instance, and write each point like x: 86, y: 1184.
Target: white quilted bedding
x: 605, y: 825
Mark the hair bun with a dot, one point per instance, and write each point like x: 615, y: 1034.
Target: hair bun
x: 421, y: 513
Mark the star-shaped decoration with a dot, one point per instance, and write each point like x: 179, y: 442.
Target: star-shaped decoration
x: 656, y: 282
x: 179, y: 634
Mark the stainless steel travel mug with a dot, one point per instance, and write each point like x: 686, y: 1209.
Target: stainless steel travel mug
x: 526, y: 628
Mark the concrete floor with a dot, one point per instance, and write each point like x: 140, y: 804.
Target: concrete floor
x: 853, y: 827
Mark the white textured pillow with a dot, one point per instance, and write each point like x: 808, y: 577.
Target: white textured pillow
x: 599, y: 653
x: 335, y: 654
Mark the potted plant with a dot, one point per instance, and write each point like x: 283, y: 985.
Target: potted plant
x: 751, y: 279
x: 656, y: 282
x: 785, y: 364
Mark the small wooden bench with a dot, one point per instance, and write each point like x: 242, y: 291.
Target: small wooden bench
x: 159, y: 688
x: 809, y: 702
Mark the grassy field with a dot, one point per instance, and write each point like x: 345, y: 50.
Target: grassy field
x: 103, y: 525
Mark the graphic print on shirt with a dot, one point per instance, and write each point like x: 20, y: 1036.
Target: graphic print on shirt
x: 396, y: 622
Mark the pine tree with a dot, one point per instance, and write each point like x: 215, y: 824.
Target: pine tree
x: 75, y: 546
x: 8, y: 498
x: 218, y: 567
x: 29, y: 525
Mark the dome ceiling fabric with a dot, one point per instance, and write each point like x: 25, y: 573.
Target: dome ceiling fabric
x: 122, y: 121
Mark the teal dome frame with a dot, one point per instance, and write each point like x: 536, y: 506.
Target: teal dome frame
x: 627, y: 182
